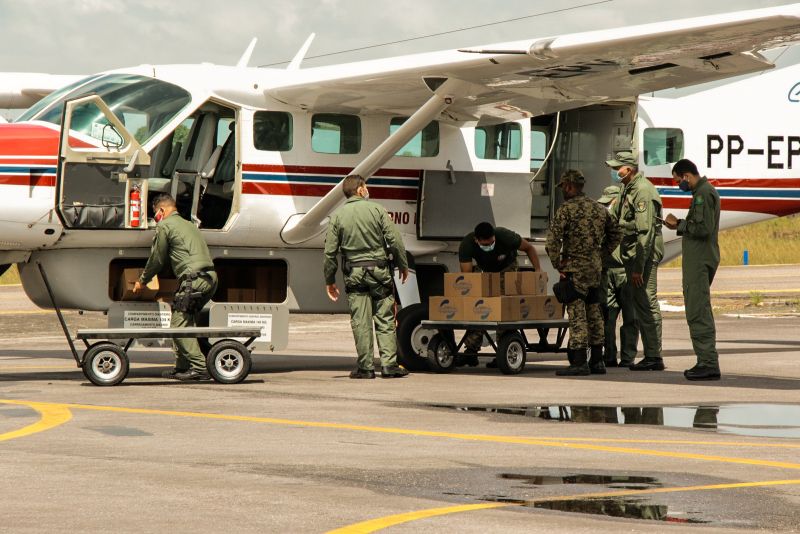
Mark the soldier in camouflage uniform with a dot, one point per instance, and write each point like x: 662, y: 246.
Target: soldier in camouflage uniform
x: 639, y: 215
x: 361, y: 230
x: 581, y: 234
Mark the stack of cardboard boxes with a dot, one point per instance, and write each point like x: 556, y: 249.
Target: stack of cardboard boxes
x: 477, y: 297
x: 157, y: 289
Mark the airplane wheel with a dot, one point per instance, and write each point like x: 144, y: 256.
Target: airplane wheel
x: 105, y: 364
x: 228, y: 362
x: 511, y: 353
x: 412, y: 339
x: 440, y: 355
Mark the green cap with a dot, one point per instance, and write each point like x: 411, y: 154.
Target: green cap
x: 572, y: 176
x: 626, y: 157
x: 609, y: 194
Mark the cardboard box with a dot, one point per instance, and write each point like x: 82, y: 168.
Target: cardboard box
x: 544, y: 307
x: 472, y: 284
x: 241, y: 294
x: 491, y: 308
x: 445, y: 308
x: 525, y: 283
x: 127, y: 281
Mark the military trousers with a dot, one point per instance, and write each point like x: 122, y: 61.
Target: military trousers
x: 619, y: 300
x: 586, y: 324
x: 647, y: 310
x: 187, y: 350
x: 371, y: 300
x: 697, y: 279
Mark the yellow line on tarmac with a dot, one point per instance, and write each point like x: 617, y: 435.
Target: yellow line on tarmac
x: 51, y: 416
x: 374, y: 525
x: 676, y: 442
x: 431, y: 433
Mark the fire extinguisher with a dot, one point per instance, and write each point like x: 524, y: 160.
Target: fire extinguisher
x: 136, y: 206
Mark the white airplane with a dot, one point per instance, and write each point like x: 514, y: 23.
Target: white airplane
x: 447, y: 139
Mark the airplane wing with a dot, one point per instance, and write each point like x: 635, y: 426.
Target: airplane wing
x: 520, y: 79
x: 19, y: 90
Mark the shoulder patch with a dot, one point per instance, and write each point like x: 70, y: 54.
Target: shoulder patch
x: 698, y: 201
x: 641, y: 206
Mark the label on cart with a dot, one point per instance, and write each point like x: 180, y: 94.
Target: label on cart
x: 146, y: 319
x: 251, y: 320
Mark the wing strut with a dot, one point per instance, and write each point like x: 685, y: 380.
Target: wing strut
x: 304, y: 226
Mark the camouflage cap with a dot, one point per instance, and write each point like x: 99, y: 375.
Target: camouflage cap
x: 573, y: 177
x: 626, y: 157
x: 609, y: 194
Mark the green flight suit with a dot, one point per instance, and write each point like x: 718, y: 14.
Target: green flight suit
x: 619, y: 301
x: 360, y: 230
x: 642, y: 248
x: 180, y: 242
x: 700, y: 247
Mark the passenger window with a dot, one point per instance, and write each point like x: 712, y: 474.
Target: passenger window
x: 423, y: 145
x: 538, y: 149
x: 662, y: 145
x: 500, y: 141
x: 332, y: 133
x: 272, y: 130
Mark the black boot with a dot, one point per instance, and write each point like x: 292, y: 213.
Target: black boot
x: 577, y: 364
x: 596, y: 364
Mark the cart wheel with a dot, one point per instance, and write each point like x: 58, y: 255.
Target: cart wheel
x: 105, y: 364
x: 228, y: 361
x: 511, y: 353
x: 440, y: 355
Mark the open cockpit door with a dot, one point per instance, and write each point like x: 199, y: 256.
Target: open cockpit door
x: 100, y: 184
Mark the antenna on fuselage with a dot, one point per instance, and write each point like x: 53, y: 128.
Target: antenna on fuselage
x: 245, y: 59
x: 301, y: 54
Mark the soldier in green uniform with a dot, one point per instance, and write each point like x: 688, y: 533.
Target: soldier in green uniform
x: 180, y: 242
x: 618, y: 299
x: 362, y: 231
x: 493, y: 250
x: 642, y: 248
x: 581, y: 234
x: 700, y: 247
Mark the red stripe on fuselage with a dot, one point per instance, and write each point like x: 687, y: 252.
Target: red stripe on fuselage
x: 311, y: 190
x: 335, y: 171
x: 766, y: 183
x: 31, y: 180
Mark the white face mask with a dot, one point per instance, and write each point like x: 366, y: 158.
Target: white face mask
x: 487, y: 248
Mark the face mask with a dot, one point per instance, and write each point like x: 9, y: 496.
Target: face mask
x: 684, y: 186
x: 487, y: 248
x: 365, y: 196
x: 158, y: 216
x: 615, y: 177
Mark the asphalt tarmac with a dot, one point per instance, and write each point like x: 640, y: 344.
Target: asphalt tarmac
x: 298, y: 447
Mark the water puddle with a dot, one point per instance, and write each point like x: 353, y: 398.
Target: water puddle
x: 630, y: 507
x: 762, y: 420
x: 119, y: 431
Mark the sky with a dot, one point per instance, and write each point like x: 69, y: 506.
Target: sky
x: 87, y: 36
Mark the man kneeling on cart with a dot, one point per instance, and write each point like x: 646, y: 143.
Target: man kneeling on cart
x: 180, y: 242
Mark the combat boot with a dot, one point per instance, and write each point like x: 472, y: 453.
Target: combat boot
x: 577, y: 364
x: 596, y: 364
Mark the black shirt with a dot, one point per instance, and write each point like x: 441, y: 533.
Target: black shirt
x: 506, y: 245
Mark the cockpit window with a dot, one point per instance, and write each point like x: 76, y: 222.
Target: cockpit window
x: 56, y: 95
x: 144, y: 105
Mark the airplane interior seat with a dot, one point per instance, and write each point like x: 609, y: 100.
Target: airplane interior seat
x: 195, y: 153
x: 224, y: 178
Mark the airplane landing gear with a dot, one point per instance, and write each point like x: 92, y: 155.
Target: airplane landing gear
x: 412, y: 338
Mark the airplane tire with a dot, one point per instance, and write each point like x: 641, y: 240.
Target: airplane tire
x: 105, y: 364
x: 228, y: 361
x: 412, y: 339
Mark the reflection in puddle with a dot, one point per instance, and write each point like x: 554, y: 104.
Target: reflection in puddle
x: 630, y: 507
x: 763, y: 420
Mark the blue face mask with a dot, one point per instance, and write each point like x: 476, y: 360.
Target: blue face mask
x: 615, y: 176
x: 684, y: 186
x: 487, y: 248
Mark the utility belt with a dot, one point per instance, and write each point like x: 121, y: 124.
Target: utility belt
x: 381, y: 292
x: 186, y: 299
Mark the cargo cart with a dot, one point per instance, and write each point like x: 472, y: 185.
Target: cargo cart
x: 106, y: 363
x: 511, y: 346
